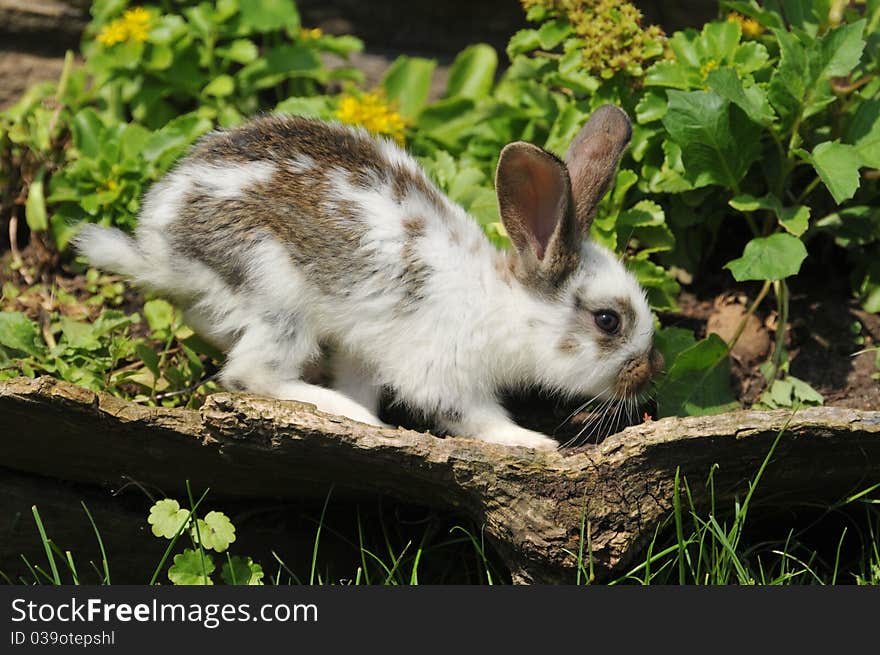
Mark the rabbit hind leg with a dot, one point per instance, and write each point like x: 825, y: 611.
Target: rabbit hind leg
x: 352, y: 378
x: 268, y: 360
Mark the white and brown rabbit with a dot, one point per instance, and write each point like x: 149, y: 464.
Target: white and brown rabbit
x: 287, y: 237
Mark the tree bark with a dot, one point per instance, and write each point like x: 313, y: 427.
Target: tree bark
x: 533, y: 504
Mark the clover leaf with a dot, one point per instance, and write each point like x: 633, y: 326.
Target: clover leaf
x: 167, y: 517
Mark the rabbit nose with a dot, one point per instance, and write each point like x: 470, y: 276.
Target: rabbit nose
x: 656, y: 359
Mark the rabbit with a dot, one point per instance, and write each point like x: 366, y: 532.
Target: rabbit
x: 289, y: 237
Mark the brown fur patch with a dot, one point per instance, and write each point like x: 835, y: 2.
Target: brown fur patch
x: 414, y: 272
x: 568, y: 345
x: 302, y: 210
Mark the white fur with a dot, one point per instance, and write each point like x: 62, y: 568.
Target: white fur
x: 475, y: 331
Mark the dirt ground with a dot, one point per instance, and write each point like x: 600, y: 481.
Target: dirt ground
x: 20, y: 70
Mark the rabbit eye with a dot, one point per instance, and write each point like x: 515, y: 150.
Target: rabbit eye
x: 607, y: 320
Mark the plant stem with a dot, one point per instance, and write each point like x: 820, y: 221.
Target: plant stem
x: 751, y: 310
x: 780, y: 288
x: 752, y: 225
x: 808, y: 190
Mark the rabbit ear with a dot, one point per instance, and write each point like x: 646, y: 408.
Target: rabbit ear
x: 593, y: 157
x: 534, y: 197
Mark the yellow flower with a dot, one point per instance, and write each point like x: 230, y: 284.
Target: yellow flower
x: 315, y: 33
x: 370, y: 111
x: 749, y: 26
x: 707, y: 68
x: 133, y: 26
x: 113, y: 33
x: 138, y: 22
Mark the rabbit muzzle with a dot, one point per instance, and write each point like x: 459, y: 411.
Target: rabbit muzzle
x: 636, y: 374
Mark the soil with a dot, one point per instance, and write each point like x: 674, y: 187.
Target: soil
x: 829, y: 338
x: 21, y: 70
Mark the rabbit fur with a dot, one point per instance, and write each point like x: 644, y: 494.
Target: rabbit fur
x: 288, y: 237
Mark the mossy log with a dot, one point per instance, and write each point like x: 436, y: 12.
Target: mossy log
x: 533, y: 504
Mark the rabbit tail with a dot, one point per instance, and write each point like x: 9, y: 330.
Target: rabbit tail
x: 112, y: 250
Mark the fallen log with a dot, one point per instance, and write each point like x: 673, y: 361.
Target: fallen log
x: 533, y: 504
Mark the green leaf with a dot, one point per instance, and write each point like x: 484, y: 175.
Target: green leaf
x: 752, y: 100
x: 280, y: 63
x: 564, y: 129
x: 673, y: 75
x: 167, y: 518
x: 269, y: 15
x: 800, y: 85
x: 87, y: 130
x: 779, y: 394
x: 717, y: 145
x: 804, y: 392
x: 35, y: 207
x: 408, y: 82
x: 343, y: 46
x: 750, y: 57
x: 159, y: 314
x: 189, y: 569
x: 856, y: 225
x: 789, y: 82
x: 838, y: 165
x: 132, y: 140
x: 241, y: 571
x: 163, y: 145
x: 769, y: 258
x: 660, y: 286
x: 671, y: 341
x: 646, y: 222
x: 719, y: 40
x: 863, y: 132
x: 18, y: 332
x: 448, y: 121
x: 160, y: 57
x: 79, y: 334
x: 215, y: 531
x: 472, y: 73
x: 551, y: 33
x: 150, y: 360
x: 62, y: 230
x: 794, y: 220
x: 571, y: 74
x: 242, y: 51
x: 220, y: 86
x: 697, y: 382
x: 839, y: 51
x: 311, y: 107
x: 651, y: 107
x: 522, y: 42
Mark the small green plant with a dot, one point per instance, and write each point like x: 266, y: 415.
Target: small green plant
x: 194, y: 565
x: 80, y: 341
x: 224, y: 59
